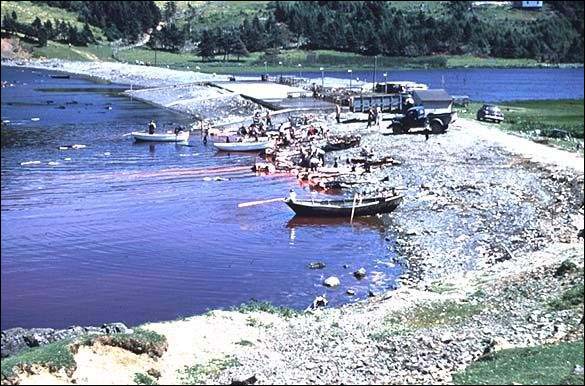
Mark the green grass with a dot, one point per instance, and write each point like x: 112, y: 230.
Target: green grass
x: 198, y: 374
x: 55, y: 354
x: 212, y: 14
x: 441, y: 288
x: 571, y: 298
x: 541, y: 365
x: 245, y: 343
x: 258, y: 306
x: 427, y: 316
x: 63, y: 51
x: 550, y: 119
x: 143, y: 379
x: 27, y: 11
x: 330, y: 60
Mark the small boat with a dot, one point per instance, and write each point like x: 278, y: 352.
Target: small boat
x: 344, y: 208
x: 181, y: 136
x: 243, y: 146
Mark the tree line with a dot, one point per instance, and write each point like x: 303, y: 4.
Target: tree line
x: 374, y: 27
x: 58, y: 30
x: 118, y: 19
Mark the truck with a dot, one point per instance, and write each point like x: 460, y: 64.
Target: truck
x: 416, y: 118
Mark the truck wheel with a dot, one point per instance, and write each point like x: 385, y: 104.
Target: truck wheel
x: 437, y: 127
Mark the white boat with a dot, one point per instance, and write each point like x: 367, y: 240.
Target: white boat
x: 182, y: 136
x: 243, y: 146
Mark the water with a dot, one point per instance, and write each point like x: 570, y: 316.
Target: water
x: 489, y: 85
x: 132, y: 232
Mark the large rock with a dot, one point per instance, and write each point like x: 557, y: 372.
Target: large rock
x: 331, y: 281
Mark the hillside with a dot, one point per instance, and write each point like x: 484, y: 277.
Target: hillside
x: 227, y: 36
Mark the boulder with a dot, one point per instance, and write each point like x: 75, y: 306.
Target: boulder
x: 316, y: 265
x: 331, y: 281
x: 360, y: 273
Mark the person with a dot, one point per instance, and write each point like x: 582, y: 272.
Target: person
x: 338, y: 113
x: 256, y: 119
x: 292, y: 195
x: 151, y: 127
x: 370, y: 117
x: 204, y: 132
x: 242, y: 131
x: 268, y: 119
x: 335, y: 164
x: 378, y: 115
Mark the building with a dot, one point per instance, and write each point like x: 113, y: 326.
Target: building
x: 535, y: 5
x: 435, y: 101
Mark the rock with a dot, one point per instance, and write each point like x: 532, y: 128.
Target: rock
x: 360, y: 273
x: 496, y: 344
x: 350, y: 292
x: 446, y: 338
x: 154, y: 373
x: 578, y: 370
x: 319, y: 301
x: 331, y: 281
x: 116, y: 328
x: 316, y: 265
x: 372, y: 294
x: 245, y: 380
x: 346, y: 266
x: 565, y: 267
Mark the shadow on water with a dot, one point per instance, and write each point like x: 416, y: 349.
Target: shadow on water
x: 372, y: 222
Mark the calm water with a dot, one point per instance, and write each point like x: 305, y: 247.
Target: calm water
x: 132, y: 232
x: 491, y: 85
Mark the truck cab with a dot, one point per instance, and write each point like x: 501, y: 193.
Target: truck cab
x: 416, y: 118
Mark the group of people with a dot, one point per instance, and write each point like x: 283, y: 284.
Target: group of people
x: 152, y: 127
x: 312, y: 158
x: 374, y: 116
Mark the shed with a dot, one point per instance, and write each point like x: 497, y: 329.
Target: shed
x: 435, y: 101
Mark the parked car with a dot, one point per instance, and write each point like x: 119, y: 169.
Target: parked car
x: 490, y: 113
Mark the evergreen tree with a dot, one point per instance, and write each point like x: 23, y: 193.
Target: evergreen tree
x: 239, y: 48
x: 206, y: 46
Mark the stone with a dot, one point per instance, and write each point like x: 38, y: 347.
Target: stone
x: 565, y: 267
x: 578, y: 370
x: 116, y: 328
x: 331, y: 281
x: 246, y: 380
x: 496, y: 344
x: 360, y: 273
x: 316, y: 265
x: 319, y: 301
x: 154, y: 373
x: 350, y: 292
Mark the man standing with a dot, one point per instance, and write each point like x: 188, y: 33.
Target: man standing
x: 338, y: 113
x: 151, y: 127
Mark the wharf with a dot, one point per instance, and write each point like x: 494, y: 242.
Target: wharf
x: 276, y: 96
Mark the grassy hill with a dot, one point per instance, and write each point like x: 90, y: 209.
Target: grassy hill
x: 27, y: 11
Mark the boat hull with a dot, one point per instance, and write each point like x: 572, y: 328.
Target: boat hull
x: 242, y: 146
x: 161, y: 137
x: 343, y: 208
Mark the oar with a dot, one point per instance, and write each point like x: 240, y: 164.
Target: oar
x: 353, y: 208
x: 251, y: 203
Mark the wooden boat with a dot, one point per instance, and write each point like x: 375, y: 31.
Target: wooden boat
x: 182, y: 136
x: 343, y: 208
x: 243, y: 146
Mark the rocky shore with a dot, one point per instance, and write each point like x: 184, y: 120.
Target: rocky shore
x: 489, y: 233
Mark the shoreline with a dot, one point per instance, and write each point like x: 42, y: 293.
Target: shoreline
x: 480, y: 206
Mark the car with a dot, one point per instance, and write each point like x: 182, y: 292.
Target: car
x: 490, y: 113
